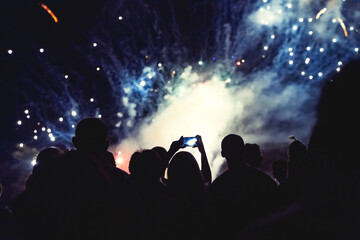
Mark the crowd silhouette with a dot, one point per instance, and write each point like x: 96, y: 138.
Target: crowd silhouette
x: 314, y: 194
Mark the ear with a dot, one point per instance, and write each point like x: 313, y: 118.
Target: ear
x: 75, y: 142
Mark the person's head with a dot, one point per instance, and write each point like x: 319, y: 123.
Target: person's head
x: 253, y: 154
x: 91, y: 135
x: 334, y: 133
x: 233, y: 150
x: 162, y: 153
x: 144, y: 166
x: 297, y: 149
x: 184, y: 174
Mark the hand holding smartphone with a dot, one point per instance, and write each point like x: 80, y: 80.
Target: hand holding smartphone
x: 189, y: 142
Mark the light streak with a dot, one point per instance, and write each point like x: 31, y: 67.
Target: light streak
x: 49, y: 11
x: 321, y: 12
x: 342, y: 24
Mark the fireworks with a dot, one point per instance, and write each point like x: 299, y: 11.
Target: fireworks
x: 139, y: 74
x: 50, y: 12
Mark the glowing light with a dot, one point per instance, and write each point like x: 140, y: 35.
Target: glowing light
x: 91, y: 99
x: 238, y: 63
x: 43, y: 129
x: 333, y: 20
x: 356, y: 50
x: 295, y: 27
x: 35, y: 137
x: 291, y: 54
x: 66, y: 76
x: 303, y: 73
x: 142, y: 83
x: 291, y: 62
x: 308, y: 48
x: 28, y: 116
x: 94, y: 44
x: 35, y: 131
x: 10, y: 51
x: 26, y: 111
x: 52, y: 139
x: 50, y: 12
x: 307, y: 60
x: 99, y: 115
x: 311, y: 77
x: 73, y: 126
x: 228, y: 80
x: 290, y: 49
x: 321, y: 50
x: 61, y: 119
x: 120, y: 18
x: 33, y: 162
x: 334, y: 40
x: 338, y: 69
x: 201, y: 63
x: 272, y: 36
x: 19, y: 122
x: 159, y: 65
x: 310, y: 19
x: 320, y: 74
x: 289, y: 5
x: 321, y: 12
x: 21, y: 145
x: 266, y: 48
x: 73, y: 113
x: 301, y: 19
x: 342, y: 24
x: 340, y: 63
x: 351, y: 28
x: 41, y: 50
x: 48, y: 130
x: 98, y: 69
x: 311, y: 32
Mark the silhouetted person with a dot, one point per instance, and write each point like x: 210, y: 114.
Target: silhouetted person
x: 6, y: 226
x: 33, y: 209
x: 298, y: 178
x: 330, y: 208
x: 96, y: 199
x: 279, y: 168
x: 253, y: 155
x: 164, y: 160
x: 186, y: 184
x: 241, y: 194
x: 158, y: 208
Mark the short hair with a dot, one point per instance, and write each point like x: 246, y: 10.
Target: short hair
x: 92, y: 129
x: 232, y: 143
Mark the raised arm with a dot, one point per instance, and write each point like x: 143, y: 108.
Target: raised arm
x: 205, y: 167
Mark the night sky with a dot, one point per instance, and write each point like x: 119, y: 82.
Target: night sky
x: 157, y: 70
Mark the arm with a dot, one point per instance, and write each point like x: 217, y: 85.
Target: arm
x: 174, y: 147
x: 205, y: 167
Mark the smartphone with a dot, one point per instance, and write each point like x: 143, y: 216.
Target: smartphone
x: 189, y: 142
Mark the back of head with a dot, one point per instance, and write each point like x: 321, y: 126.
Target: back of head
x: 334, y: 133
x: 297, y: 149
x: 162, y: 153
x: 233, y: 149
x: 145, y: 167
x: 91, y: 135
x: 253, y: 154
x: 184, y: 173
